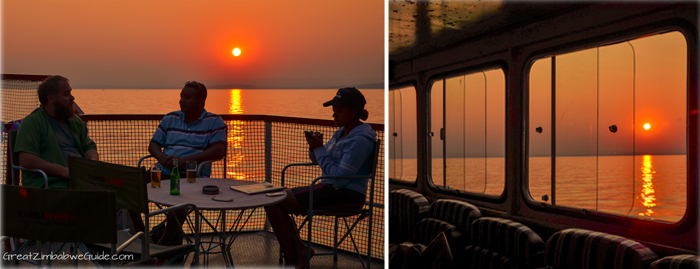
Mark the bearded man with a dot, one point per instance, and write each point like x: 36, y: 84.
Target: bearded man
x: 50, y: 134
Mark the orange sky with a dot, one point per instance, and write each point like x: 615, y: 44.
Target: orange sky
x: 657, y: 95
x: 161, y: 44
x: 658, y: 92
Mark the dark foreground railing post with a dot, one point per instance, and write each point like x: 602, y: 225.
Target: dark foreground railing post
x: 268, y: 151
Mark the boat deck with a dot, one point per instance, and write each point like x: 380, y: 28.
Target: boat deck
x: 250, y: 250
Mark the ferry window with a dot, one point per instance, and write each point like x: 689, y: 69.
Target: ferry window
x: 607, y: 128
x: 402, y: 139
x: 468, y: 132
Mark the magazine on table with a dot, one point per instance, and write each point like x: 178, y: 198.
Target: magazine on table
x: 257, y: 188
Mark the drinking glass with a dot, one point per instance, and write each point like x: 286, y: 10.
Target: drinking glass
x: 156, y: 171
x: 191, y: 167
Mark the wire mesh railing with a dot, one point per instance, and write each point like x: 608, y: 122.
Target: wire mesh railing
x: 19, y: 96
x: 258, y: 148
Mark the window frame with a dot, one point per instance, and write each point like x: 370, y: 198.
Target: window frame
x: 473, y: 69
x: 402, y: 182
x: 688, y: 218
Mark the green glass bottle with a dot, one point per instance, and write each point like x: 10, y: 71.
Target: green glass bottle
x: 174, y: 179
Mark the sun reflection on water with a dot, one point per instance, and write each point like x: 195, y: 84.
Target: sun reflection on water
x: 647, y: 195
x: 235, y: 137
x: 235, y: 103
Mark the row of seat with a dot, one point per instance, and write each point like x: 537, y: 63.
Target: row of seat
x: 489, y: 242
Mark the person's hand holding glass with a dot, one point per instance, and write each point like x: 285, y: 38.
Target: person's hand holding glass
x: 315, y: 139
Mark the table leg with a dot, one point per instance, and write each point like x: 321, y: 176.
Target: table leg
x: 226, y: 236
x: 225, y: 249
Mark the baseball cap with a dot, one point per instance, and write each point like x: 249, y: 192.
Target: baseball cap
x: 347, y: 97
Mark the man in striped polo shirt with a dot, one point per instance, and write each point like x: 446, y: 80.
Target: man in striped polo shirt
x: 191, y: 133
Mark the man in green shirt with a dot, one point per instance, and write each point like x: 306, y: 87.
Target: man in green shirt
x: 50, y: 134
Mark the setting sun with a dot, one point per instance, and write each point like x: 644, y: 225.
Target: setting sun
x: 647, y: 126
x: 236, y: 52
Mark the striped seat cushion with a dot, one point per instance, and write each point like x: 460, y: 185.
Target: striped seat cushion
x: 476, y: 257
x: 458, y: 213
x: 579, y: 248
x: 510, y: 239
x: 677, y: 262
x: 428, y: 228
x: 406, y: 208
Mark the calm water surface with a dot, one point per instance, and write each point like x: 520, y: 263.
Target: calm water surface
x: 291, y: 103
x: 645, y: 186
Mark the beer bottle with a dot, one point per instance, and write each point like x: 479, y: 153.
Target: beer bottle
x: 174, y: 179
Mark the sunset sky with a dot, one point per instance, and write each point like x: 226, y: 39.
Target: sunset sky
x: 161, y: 44
x: 639, y: 84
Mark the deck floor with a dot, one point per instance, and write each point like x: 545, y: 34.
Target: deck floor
x: 251, y: 250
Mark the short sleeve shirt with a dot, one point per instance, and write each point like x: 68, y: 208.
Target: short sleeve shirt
x: 36, y: 136
x: 178, y: 138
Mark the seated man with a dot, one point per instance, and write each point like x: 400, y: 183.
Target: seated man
x: 189, y: 134
x: 50, y: 134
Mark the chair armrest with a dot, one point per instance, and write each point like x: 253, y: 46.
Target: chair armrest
x: 340, y: 177
x: 143, y: 158
x: 290, y: 165
x: 168, y: 209
x: 199, y: 166
x: 128, y: 242
x: 46, y: 178
x: 311, y: 187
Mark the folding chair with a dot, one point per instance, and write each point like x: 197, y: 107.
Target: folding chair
x: 60, y: 216
x: 14, y: 157
x: 361, y: 213
x: 129, y: 185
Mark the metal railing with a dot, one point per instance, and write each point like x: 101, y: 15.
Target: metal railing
x: 258, y: 148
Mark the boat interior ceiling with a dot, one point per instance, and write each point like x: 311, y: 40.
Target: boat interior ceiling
x: 418, y: 27
x: 436, y: 44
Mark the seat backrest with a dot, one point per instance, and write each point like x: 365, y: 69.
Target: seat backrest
x: 58, y: 215
x: 406, y: 209
x: 11, y: 138
x: 455, y: 212
x: 453, y: 217
x: 579, y: 248
x: 128, y: 183
x: 373, y: 171
x: 428, y: 228
x: 14, y: 157
x: 502, y: 243
x: 677, y: 262
x: 375, y: 156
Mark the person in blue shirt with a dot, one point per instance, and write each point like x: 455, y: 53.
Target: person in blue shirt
x: 348, y: 152
x: 191, y: 133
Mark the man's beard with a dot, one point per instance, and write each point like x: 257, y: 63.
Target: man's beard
x: 64, y: 112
